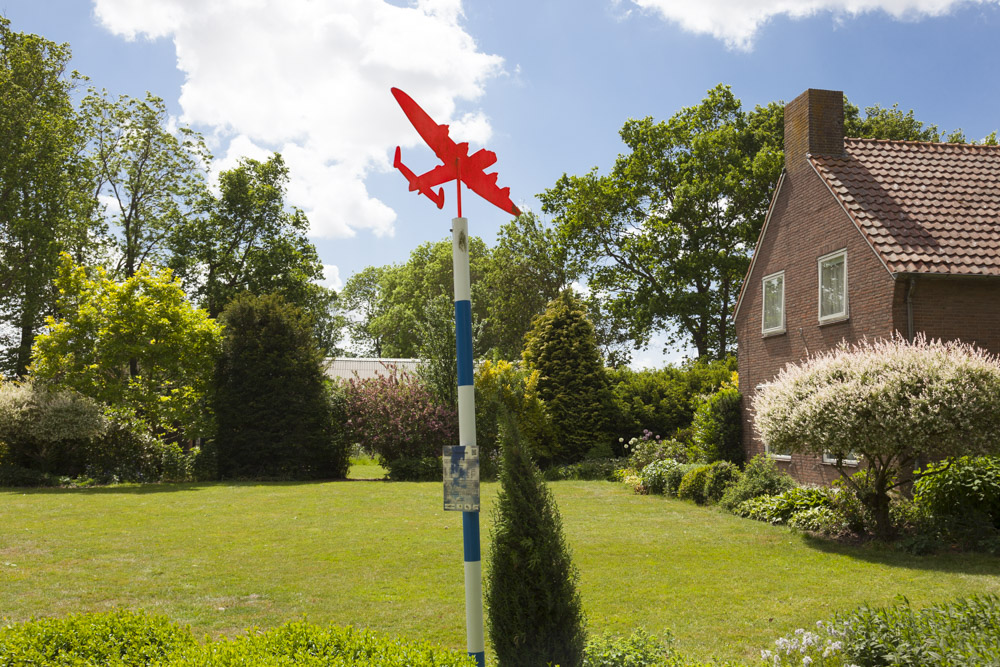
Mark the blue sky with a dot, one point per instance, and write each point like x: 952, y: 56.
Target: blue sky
x: 545, y: 84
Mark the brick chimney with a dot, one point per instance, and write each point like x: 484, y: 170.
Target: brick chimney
x: 814, y: 124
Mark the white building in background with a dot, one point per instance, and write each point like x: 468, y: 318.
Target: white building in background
x: 368, y: 367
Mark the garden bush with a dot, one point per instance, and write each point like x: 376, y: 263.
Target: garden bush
x: 47, y: 429
x: 692, y: 486
x: 640, y: 649
x: 761, y: 477
x: 647, y: 448
x: 135, y: 639
x: 397, y: 419
x: 674, y: 476
x: 967, y: 488
x: 721, y: 476
x: 597, y: 470
x: 502, y: 387
x: 815, y: 520
x: 780, y: 508
x: 654, y: 475
x: 407, y: 469
x: 717, y: 426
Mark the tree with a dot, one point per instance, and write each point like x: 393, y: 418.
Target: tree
x: 888, y: 404
x: 527, y: 269
x: 572, y: 383
x: 534, y: 610
x: 249, y: 241
x: 152, y: 178
x: 144, y: 324
x: 270, y: 399
x: 361, y: 301
x: 44, y: 184
x: 665, y: 237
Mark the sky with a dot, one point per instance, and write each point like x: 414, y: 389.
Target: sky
x: 545, y: 84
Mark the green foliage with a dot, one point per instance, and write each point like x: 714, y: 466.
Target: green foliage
x: 889, y: 402
x: 640, y: 649
x: 412, y: 469
x: 761, y: 477
x: 780, y: 508
x: 503, y: 388
x: 951, y: 634
x: 674, y: 475
x: 47, y: 429
x: 664, y: 400
x: 966, y: 488
x: 654, y: 476
x: 666, y: 234
x: 604, y: 470
x: 534, y: 610
x: 130, y: 639
x: 137, y: 346
x: 692, y: 486
x: 397, y: 419
x: 45, y: 186
x: 572, y: 381
x: 116, y: 639
x: 248, y: 240
x: 821, y: 520
x: 717, y: 426
x: 275, y: 418
x: 721, y: 476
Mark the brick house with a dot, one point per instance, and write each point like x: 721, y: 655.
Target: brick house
x: 866, y: 238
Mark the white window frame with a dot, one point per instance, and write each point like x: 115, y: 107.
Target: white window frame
x: 845, y: 313
x: 780, y: 329
x: 850, y: 460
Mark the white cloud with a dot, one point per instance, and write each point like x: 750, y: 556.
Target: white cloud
x: 331, y: 277
x: 311, y: 79
x: 736, y: 21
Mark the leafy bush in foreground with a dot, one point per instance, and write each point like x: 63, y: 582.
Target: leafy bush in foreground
x: 126, y: 639
x: 654, y: 475
x: 779, y: 509
x: 717, y: 427
x: 692, y: 485
x: 966, y: 488
x: 596, y: 470
x: 721, y: 476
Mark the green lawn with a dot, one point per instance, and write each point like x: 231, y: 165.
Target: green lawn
x: 223, y: 557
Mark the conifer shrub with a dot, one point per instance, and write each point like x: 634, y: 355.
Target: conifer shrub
x: 502, y: 387
x: 572, y: 381
x: 270, y: 396
x: 535, y: 616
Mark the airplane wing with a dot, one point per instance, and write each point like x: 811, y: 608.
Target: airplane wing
x: 434, y: 135
x: 485, y: 185
x: 436, y: 176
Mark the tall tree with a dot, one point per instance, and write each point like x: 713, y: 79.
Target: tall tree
x: 361, y: 302
x: 664, y: 238
x: 527, y: 269
x: 44, y: 183
x: 249, y: 240
x: 150, y: 179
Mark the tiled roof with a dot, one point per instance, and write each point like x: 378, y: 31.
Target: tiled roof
x: 924, y: 207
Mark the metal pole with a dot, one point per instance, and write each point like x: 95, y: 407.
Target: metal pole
x: 467, y: 438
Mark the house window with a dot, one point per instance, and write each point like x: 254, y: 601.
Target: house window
x: 850, y: 458
x: 774, y: 304
x: 833, y: 286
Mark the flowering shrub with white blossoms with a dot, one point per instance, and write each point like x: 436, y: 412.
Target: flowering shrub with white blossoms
x: 823, y: 648
x: 888, y: 403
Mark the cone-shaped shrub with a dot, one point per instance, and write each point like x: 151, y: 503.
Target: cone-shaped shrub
x: 572, y: 383
x: 535, y: 613
x: 271, y: 402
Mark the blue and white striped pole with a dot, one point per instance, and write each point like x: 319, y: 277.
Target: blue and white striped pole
x: 467, y: 437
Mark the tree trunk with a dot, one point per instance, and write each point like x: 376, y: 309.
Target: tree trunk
x: 24, y: 349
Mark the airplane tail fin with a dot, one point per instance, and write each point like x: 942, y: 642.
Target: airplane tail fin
x: 411, y: 178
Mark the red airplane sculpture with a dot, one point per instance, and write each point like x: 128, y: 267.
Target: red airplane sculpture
x: 458, y: 164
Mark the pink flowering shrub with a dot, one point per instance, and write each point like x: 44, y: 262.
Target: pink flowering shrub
x: 887, y: 404
x: 397, y: 419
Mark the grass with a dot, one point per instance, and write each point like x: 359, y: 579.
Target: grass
x: 223, y: 557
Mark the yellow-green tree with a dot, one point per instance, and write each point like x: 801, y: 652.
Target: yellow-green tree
x: 108, y: 326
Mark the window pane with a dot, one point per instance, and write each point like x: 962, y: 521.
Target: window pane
x: 831, y: 287
x: 774, y: 289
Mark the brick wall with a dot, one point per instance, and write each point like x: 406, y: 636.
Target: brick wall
x: 806, y: 223
x: 967, y: 309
